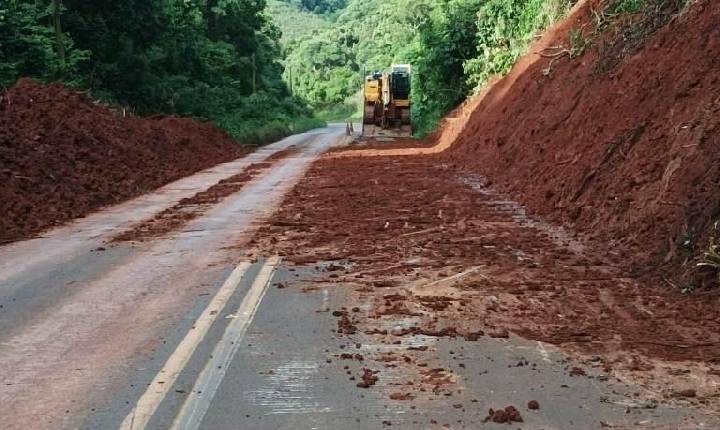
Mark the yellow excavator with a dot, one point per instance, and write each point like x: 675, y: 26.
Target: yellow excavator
x: 386, y: 100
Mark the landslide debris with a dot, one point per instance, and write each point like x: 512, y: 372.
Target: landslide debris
x: 63, y: 156
x: 508, y: 415
x: 185, y: 210
x: 402, y: 216
x: 621, y: 143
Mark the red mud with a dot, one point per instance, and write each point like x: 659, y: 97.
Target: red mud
x: 368, y: 378
x: 508, y: 415
x: 622, y: 143
x: 394, y: 216
x: 63, y: 156
x: 186, y: 210
x: 390, y: 143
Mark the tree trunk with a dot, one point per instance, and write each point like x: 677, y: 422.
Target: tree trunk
x: 254, y: 75
x: 60, y: 45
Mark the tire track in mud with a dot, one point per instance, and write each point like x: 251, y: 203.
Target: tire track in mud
x: 177, y: 216
x: 402, y: 224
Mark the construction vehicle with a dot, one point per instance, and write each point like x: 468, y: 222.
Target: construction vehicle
x: 386, y: 102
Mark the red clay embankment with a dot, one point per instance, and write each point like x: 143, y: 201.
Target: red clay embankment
x: 622, y: 143
x: 63, y: 156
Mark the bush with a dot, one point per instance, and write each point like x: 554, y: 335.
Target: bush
x: 505, y: 29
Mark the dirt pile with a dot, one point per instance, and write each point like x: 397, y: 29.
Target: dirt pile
x: 63, y: 156
x: 404, y: 221
x: 621, y: 143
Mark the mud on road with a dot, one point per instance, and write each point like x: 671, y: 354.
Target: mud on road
x: 175, y: 217
x: 441, y: 252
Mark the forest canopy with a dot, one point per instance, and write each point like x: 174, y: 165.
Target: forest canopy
x: 212, y: 59
x: 228, y: 60
x: 454, y: 46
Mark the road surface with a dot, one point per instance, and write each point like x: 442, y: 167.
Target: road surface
x: 80, y: 318
x: 186, y: 331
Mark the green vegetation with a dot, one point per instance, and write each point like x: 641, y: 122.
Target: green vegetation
x: 211, y: 59
x: 627, y: 6
x: 711, y: 257
x: 578, y: 43
x: 455, y: 46
x: 319, y: 6
x: 295, y: 22
x: 505, y: 28
x: 228, y: 61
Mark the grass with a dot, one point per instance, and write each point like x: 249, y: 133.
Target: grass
x: 711, y: 257
x: 261, y: 132
x: 625, y: 7
x: 338, y: 113
x: 578, y: 43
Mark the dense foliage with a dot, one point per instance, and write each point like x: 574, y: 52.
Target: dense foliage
x: 320, y: 6
x: 222, y: 59
x: 453, y: 45
x: 215, y: 59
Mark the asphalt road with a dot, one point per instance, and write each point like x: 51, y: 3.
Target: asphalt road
x: 185, y: 332
x: 82, y: 322
x: 286, y: 372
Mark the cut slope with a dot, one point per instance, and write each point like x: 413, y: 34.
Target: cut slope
x: 62, y: 156
x: 622, y: 143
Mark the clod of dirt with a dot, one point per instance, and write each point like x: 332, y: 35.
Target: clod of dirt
x: 385, y: 284
x: 397, y: 309
x: 473, y: 336
x: 436, y: 303
x: 533, y: 405
x: 345, y: 326
x: 508, y: 415
x: 346, y: 356
x: 368, y: 378
x: 436, y: 377
x: 402, y: 396
x: 334, y: 268
x: 418, y: 348
x: 499, y: 334
x: 576, y: 371
x: 688, y: 393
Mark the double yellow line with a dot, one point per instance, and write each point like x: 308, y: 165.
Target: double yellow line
x: 158, y: 389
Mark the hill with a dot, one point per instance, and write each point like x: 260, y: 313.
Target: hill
x: 621, y: 140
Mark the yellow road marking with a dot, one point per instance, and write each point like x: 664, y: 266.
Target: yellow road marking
x: 148, y: 403
x: 198, y: 402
